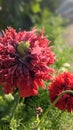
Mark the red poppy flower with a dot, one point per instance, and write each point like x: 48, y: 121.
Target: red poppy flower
x: 24, y: 61
x: 62, y: 83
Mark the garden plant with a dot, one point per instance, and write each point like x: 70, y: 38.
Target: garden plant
x: 36, y: 77
x: 36, y: 84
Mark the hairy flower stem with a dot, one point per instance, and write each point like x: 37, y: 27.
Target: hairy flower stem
x: 17, y: 98
x: 53, y: 104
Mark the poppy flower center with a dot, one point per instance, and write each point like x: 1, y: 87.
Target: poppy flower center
x: 23, y: 48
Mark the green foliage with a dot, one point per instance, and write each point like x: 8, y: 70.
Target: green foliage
x: 50, y: 4
x: 20, y: 114
x: 23, y: 14
x: 19, y: 13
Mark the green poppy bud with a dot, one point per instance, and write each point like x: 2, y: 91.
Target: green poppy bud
x: 23, y: 47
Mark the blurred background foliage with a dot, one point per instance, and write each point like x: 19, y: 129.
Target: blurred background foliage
x: 25, y: 14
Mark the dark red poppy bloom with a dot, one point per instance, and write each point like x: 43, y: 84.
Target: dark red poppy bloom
x: 24, y: 61
x: 62, y: 83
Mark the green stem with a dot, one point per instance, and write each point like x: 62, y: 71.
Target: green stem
x: 53, y: 104
x: 14, y: 107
